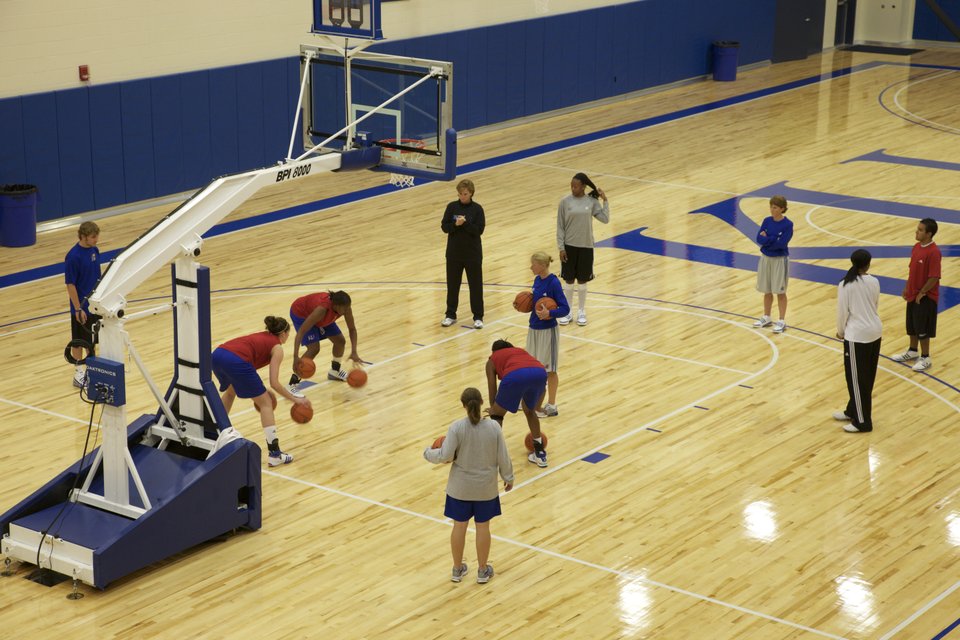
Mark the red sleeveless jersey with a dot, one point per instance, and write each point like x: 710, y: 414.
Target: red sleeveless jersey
x: 254, y: 348
x: 304, y: 306
x: 512, y: 358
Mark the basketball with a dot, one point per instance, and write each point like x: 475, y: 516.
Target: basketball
x: 307, y: 368
x: 438, y: 442
x: 546, y: 303
x: 523, y: 302
x: 528, y: 441
x: 273, y: 399
x: 301, y: 413
x: 357, y: 378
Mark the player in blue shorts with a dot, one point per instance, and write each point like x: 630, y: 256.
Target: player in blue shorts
x: 523, y: 380
x: 478, y: 451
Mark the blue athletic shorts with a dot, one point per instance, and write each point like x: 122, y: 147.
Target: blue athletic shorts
x: 316, y: 334
x: 479, y: 510
x: 231, y: 369
x: 528, y: 383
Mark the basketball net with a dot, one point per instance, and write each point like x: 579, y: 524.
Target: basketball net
x: 401, y: 180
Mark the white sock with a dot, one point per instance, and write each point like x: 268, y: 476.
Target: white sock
x: 270, y: 433
x: 582, y: 296
x: 568, y: 292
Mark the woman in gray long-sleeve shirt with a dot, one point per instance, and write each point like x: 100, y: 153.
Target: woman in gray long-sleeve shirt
x: 476, y: 446
x: 575, y: 239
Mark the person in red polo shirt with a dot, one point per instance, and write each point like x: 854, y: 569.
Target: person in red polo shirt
x: 922, y: 292
x: 523, y: 380
x: 314, y: 318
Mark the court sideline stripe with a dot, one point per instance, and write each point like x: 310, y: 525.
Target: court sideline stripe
x: 49, y: 271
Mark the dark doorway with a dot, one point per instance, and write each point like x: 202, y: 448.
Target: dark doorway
x: 846, y: 17
x: 798, y: 29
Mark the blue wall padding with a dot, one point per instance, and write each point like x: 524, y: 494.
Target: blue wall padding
x: 106, y: 146
x: 137, y: 121
x: 224, y: 134
x: 101, y: 146
x: 927, y: 26
x: 13, y: 167
x: 42, y: 152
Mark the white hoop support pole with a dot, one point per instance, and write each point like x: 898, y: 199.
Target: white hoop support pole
x: 164, y: 407
x: 149, y: 312
x: 433, y: 73
x: 296, y: 112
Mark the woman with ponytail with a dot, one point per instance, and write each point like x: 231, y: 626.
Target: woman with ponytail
x: 858, y: 325
x: 235, y: 364
x: 478, y: 451
x: 575, y: 239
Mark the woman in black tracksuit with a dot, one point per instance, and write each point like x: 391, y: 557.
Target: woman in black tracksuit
x: 463, y: 222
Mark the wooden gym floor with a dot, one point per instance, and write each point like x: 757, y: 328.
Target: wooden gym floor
x: 731, y: 505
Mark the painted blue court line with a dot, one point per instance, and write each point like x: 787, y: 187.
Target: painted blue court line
x: 745, y: 386
x: 38, y: 273
x: 696, y: 406
x: 306, y: 384
x: 594, y: 458
x: 947, y: 630
x: 880, y: 155
x: 654, y: 430
x: 418, y: 344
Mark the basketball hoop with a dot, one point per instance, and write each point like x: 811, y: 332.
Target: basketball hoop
x: 403, y: 155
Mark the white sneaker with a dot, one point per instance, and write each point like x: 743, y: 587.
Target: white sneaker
x: 548, y: 411
x: 850, y: 428
x: 337, y: 374
x: 582, y: 318
x: 294, y: 390
x: 840, y: 415
x: 906, y: 356
x: 279, y: 458
x: 538, y: 458
x: 779, y: 326
x: 446, y: 322
x: 762, y: 321
x: 478, y: 324
x: 565, y: 320
x: 923, y: 364
x: 79, y: 378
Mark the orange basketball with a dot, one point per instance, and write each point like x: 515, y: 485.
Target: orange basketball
x: 546, y: 303
x: 523, y: 302
x: 438, y: 442
x: 528, y: 441
x: 357, y: 378
x: 301, y: 413
x: 273, y: 399
x: 307, y: 368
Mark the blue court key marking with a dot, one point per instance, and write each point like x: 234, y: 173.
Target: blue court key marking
x: 306, y: 384
x: 594, y: 458
x: 699, y: 407
x: 947, y: 630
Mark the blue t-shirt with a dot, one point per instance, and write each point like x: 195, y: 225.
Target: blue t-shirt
x: 774, y: 244
x: 81, y: 268
x: 550, y: 288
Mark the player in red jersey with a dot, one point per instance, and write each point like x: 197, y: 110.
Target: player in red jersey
x: 235, y: 364
x: 523, y: 380
x: 314, y: 316
x: 922, y: 293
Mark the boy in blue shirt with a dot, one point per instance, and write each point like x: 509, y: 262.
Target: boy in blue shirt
x: 774, y: 268
x: 81, y: 273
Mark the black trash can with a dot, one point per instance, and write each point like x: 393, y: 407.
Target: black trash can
x: 725, y: 53
x: 18, y: 215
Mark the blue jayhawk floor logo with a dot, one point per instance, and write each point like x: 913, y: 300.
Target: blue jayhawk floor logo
x: 729, y: 211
